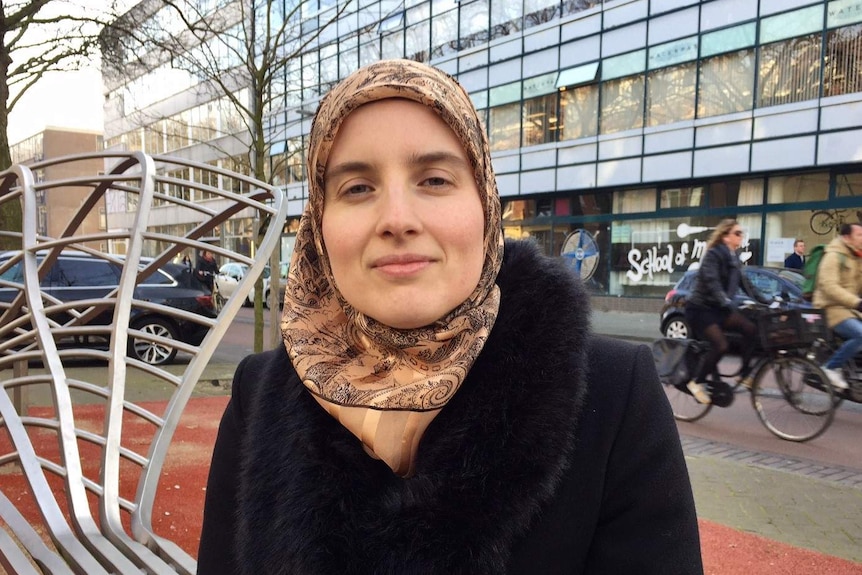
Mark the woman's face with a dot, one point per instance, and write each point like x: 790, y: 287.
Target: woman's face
x: 402, y: 220
x: 733, y: 239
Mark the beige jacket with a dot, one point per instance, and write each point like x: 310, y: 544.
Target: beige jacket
x: 839, y: 283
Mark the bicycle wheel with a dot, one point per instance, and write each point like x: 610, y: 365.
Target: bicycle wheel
x: 822, y: 222
x: 684, y: 406
x: 792, y: 400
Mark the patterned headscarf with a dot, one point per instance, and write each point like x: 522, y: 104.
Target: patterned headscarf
x: 385, y: 384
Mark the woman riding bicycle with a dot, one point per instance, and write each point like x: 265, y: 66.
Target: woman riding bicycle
x: 710, y: 310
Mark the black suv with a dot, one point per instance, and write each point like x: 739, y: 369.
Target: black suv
x: 78, y: 275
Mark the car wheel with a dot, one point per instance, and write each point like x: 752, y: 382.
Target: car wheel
x: 677, y: 328
x: 151, y: 352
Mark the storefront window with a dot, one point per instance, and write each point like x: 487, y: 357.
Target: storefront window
x: 685, y: 197
x: 517, y: 210
x: 784, y: 228
x: 634, y: 201
x: 579, y: 112
x: 670, y: 94
x: 622, y: 104
x: 585, y: 249
x: 789, y: 71
x: 848, y: 185
x: 798, y: 188
x: 842, y: 72
x: 726, y: 84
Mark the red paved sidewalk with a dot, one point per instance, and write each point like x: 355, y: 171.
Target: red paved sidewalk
x: 179, y: 505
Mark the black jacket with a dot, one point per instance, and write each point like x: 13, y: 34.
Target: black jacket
x: 718, y: 278
x: 794, y: 261
x: 559, y: 454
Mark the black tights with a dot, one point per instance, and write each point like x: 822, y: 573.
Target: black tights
x: 714, y: 334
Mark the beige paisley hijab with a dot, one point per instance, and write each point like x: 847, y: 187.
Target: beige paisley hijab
x: 386, y: 385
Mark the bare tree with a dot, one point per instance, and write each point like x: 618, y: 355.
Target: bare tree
x: 242, y: 52
x: 38, y: 37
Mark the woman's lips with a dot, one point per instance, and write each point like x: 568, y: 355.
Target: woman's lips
x: 401, y: 265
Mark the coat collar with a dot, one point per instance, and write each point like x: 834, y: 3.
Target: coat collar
x: 312, y: 501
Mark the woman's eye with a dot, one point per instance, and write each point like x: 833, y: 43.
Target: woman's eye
x: 435, y: 181
x: 356, y: 189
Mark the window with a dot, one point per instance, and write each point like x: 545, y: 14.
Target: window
x: 622, y: 104
x: 579, y: 112
x: 670, y: 94
x: 634, y: 201
x: 798, y: 188
x: 540, y: 120
x: 842, y: 65
x: 82, y: 272
x: 847, y: 185
x: 687, y: 197
x: 789, y: 71
x: 726, y: 84
x: 504, y: 127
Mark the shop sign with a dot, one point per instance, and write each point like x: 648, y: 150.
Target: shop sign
x: 667, y: 258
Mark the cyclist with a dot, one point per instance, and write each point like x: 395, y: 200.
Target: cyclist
x: 839, y: 283
x: 206, y: 268
x: 710, y: 310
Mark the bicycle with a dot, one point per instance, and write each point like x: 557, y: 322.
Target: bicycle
x: 821, y: 349
x: 823, y: 222
x: 788, y: 390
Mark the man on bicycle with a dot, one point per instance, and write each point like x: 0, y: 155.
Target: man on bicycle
x: 839, y: 283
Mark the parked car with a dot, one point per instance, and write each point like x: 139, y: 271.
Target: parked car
x: 770, y: 282
x: 78, y: 275
x: 230, y: 274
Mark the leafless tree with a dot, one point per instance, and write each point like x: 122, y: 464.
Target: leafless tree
x: 242, y: 52
x: 38, y: 37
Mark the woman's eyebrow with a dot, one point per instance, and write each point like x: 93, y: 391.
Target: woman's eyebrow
x: 346, y: 168
x: 437, y: 158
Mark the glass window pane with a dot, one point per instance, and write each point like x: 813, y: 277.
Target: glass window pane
x: 842, y: 73
x: 539, y: 85
x: 622, y: 104
x: 798, y: 188
x: 505, y: 18
x: 504, y: 94
x: 579, y: 75
x: 418, y: 42
x: 474, y: 23
x: 670, y: 94
x: 575, y: 6
x: 848, y: 185
x: 504, y: 127
x: 790, y: 24
x: 686, y: 197
x: 444, y: 33
x: 634, y: 201
x: 623, y: 65
x: 540, y: 120
x: 729, y: 39
x: 540, y: 11
x: 516, y: 210
x: 726, y: 84
x: 672, y: 53
x: 789, y: 71
x: 393, y: 46
x: 579, y: 112
x: 843, y: 12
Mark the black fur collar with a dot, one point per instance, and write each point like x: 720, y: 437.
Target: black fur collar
x: 312, y: 501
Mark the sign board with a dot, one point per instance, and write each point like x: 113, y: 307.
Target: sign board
x: 778, y: 248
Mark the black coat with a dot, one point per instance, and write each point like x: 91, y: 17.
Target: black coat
x: 718, y: 279
x: 794, y: 261
x: 559, y: 454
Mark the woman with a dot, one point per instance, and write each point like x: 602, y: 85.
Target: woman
x: 710, y: 311
x: 429, y: 413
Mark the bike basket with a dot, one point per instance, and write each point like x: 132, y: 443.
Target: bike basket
x: 785, y: 329
x: 676, y: 360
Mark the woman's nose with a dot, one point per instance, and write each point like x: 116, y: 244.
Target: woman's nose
x: 398, y: 212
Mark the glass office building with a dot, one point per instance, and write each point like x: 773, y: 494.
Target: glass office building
x: 621, y: 131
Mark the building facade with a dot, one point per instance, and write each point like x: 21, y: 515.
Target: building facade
x: 55, y: 211
x: 623, y: 131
